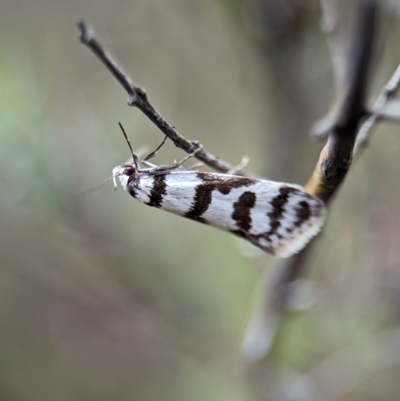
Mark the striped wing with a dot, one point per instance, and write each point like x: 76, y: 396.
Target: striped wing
x: 277, y: 217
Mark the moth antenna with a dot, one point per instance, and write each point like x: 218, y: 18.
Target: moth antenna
x: 95, y: 188
x: 135, y: 158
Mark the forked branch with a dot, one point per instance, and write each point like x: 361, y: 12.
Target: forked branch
x: 137, y: 97
x: 332, y: 167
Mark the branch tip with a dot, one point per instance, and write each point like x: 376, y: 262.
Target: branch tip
x: 85, y: 34
x: 137, y: 97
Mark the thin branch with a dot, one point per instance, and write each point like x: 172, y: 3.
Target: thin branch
x: 333, y: 164
x: 387, y: 93
x: 390, y: 112
x: 137, y: 97
x: 336, y: 157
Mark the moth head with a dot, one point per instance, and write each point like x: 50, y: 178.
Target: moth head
x: 124, y: 172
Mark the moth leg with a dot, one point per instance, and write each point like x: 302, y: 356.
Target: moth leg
x: 165, y: 169
x: 134, y: 156
x: 178, y: 164
x: 148, y: 164
x: 243, y: 163
x: 152, y: 154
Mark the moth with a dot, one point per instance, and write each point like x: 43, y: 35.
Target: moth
x: 277, y: 217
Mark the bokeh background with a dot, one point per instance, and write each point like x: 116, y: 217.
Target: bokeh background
x: 102, y: 298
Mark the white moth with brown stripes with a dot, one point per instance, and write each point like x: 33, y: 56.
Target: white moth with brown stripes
x: 277, y: 217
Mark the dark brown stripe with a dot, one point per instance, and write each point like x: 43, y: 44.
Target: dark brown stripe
x: 303, y: 213
x: 158, y: 191
x: 255, y: 239
x: 239, y: 233
x: 224, y: 186
x: 201, y: 202
x: 278, y: 207
x: 131, y: 189
x: 242, y: 210
x: 203, y: 195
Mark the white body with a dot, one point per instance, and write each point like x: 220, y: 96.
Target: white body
x: 279, y: 218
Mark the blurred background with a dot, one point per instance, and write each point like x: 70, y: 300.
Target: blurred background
x: 103, y: 298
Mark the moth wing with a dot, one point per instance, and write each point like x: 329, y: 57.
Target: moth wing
x: 277, y: 217
x: 292, y: 225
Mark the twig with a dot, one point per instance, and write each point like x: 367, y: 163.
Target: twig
x: 388, y: 112
x: 387, y: 93
x: 336, y: 157
x: 137, y: 97
x: 332, y: 167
